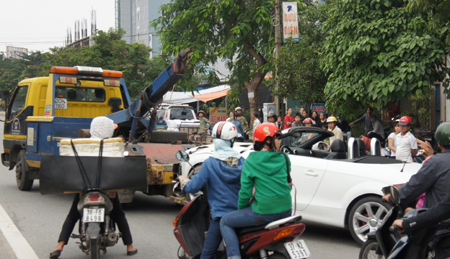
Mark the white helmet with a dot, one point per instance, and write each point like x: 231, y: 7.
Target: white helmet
x: 224, y: 130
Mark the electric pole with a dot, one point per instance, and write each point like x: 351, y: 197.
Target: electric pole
x: 277, y: 25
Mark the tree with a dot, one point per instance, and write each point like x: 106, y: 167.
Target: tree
x: 377, y: 52
x: 299, y: 73
x: 237, y: 30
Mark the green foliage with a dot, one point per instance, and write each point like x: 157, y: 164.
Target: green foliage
x: 378, y: 52
x: 421, y: 105
x: 299, y: 73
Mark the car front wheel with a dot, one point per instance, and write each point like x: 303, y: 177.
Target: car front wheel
x: 366, y: 216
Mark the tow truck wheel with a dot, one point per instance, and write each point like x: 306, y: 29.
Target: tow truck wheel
x: 23, y: 182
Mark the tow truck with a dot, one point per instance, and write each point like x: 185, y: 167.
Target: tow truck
x: 44, y: 110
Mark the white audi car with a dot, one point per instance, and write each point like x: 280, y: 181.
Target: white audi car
x: 341, y: 187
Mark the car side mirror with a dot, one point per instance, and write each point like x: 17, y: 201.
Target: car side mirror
x: 182, y: 156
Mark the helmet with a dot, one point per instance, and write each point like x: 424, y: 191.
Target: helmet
x: 307, y: 121
x: 331, y: 119
x: 264, y: 130
x: 224, y: 130
x: 237, y: 109
x: 273, y: 115
x: 201, y: 111
x: 102, y: 127
x: 442, y: 134
x: 405, y: 121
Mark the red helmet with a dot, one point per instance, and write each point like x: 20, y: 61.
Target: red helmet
x: 405, y: 121
x: 264, y: 130
x: 307, y: 121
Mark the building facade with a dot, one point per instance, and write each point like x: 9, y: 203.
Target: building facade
x: 134, y: 16
x: 15, y: 52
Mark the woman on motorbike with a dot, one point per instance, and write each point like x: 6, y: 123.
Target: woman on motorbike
x: 101, y: 128
x: 265, y: 192
x: 221, y: 173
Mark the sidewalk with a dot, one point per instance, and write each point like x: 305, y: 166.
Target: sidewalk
x: 6, y: 251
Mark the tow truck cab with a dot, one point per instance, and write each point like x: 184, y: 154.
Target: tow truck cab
x: 44, y: 110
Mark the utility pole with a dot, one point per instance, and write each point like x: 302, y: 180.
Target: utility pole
x: 277, y: 25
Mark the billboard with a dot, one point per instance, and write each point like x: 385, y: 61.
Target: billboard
x: 319, y: 107
x: 290, y: 21
x: 217, y: 114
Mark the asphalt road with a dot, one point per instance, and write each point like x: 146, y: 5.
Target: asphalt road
x: 39, y: 218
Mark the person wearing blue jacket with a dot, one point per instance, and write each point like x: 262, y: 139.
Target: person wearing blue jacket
x: 221, y: 173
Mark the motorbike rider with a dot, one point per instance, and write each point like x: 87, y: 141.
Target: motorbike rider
x: 221, y: 173
x: 433, y: 178
x: 265, y: 175
x: 101, y: 128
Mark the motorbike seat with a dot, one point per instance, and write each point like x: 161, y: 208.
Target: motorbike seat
x: 245, y: 230
x: 270, y: 226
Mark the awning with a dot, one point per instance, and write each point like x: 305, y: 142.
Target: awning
x: 211, y: 96
x: 178, y: 97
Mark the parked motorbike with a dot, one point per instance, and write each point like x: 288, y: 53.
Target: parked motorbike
x: 386, y: 242
x: 97, y: 230
x: 277, y: 240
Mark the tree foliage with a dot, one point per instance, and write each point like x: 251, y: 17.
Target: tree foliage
x: 378, y: 51
x: 109, y: 52
x: 237, y: 30
x: 299, y: 73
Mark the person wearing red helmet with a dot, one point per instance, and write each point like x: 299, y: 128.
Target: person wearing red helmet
x: 265, y: 192
x: 308, y: 122
x: 406, y: 143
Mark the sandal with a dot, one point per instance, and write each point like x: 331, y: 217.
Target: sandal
x: 55, y: 255
x: 132, y: 252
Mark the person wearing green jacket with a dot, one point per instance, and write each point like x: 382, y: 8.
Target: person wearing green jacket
x: 204, y: 126
x: 267, y: 173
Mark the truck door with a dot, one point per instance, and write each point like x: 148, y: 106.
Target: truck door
x: 16, y: 114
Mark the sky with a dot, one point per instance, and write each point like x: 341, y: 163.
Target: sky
x: 42, y: 24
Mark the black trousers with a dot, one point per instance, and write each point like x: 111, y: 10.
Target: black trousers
x: 116, y: 214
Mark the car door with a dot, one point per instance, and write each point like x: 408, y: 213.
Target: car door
x: 307, y: 173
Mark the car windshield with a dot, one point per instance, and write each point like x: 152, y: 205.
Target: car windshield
x: 299, y: 139
x: 181, y: 114
x: 160, y: 114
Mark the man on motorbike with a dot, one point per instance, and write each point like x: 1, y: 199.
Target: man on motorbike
x: 264, y: 180
x: 221, y: 173
x: 101, y: 128
x: 433, y: 178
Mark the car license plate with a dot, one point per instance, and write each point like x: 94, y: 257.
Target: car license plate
x: 297, y: 249
x: 93, y: 215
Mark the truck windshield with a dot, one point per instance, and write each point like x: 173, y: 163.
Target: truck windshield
x: 81, y: 94
x: 181, y: 114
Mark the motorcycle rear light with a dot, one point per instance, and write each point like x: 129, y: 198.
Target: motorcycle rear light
x: 94, y: 199
x: 284, y: 233
x: 175, y: 221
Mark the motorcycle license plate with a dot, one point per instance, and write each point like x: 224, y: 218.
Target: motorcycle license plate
x: 297, y: 249
x: 93, y: 215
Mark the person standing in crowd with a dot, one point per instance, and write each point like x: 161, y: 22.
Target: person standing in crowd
x: 243, y: 119
x: 305, y: 114
x: 256, y: 121
x: 265, y: 180
x: 315, y: 118
x: 392, y: 136
x: 301, y: 112
x: 322, y: 120
x: 272, y: 118
x: 240, y: 129
x: 332, y: 126
x: 230, y: 117
x: 288, y: 119
x: 367, y: 122
x: 378, y: 130
x: 279, y: 123
x: 204, y: 125
x: 221, y: 174
x: 298, y: 121
x: 405, y: 141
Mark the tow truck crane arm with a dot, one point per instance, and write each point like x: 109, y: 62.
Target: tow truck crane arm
x: 150, y: 97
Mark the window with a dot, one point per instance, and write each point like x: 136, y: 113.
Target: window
x: 81, y: 94
x: 181, y: 114
x: 18, y: 102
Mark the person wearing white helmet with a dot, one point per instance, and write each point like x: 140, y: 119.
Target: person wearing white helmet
x: 332, y: 121
x: 221, y: 173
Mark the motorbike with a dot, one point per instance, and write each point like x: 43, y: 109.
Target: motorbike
x: 97, y: 229
x: 388, y: 243
x: 277, y: 240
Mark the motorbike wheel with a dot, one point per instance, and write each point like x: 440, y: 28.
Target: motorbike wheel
x: 22, y: 180
x: 368, y: 250
x: 95, y: 249
x: 366, y: 216
x: 277, y: 256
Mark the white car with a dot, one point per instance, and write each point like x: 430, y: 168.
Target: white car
x: 339, y: 187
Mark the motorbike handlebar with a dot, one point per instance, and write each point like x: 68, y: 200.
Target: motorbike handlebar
x: 393, y: 228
